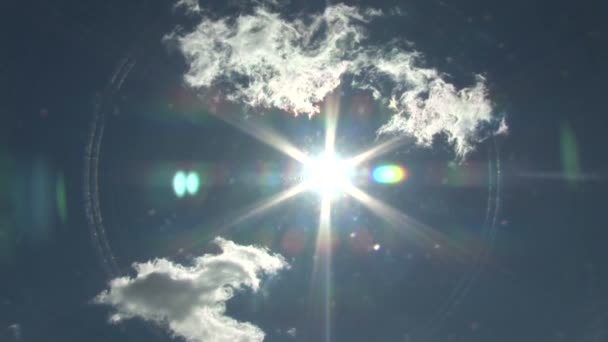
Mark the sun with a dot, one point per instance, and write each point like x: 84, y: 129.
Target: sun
x: 327, y: 175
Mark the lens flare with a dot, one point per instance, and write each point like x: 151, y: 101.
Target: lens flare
x: 61, y: 198
x: 179, y: 184
x: 389, y: 174
x: 192, y: 183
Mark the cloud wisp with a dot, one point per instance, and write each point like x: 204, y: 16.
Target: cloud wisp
x: 266, y: 60
x: 190, y: 301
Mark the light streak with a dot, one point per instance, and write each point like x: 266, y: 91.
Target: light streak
x: 265, y: 135
x: 264, y: 205
x: 322, y: 266
x: 377, y: 151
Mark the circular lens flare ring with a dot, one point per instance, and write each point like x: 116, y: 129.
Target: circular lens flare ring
x: 327, y: 175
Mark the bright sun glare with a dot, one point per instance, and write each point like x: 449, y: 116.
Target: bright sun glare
x: 327, y: 175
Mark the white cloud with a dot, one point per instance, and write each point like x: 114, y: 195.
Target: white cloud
x: 432, y: 106
x: 270, y: 61
x: 190, y: 300
x: 190, y: 6
x: 503, y: 129
x: 291, y: 65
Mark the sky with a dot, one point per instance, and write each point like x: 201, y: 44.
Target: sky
x: 494, y: 233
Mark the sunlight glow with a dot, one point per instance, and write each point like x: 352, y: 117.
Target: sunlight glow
x: 327, y: 175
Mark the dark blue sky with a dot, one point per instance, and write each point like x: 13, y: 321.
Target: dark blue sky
x: 545, y: 278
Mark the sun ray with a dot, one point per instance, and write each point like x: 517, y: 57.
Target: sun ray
x: 264, y: 205
x: 377, y: 150
x: 417, y: 231
x: 332, y: 110
x: 322, y: 265
x: 264, y: 134
x: 255, y: 209
x: 391, y: 215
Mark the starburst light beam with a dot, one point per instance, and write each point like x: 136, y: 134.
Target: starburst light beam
x: 322, y: 265
x: 332, y: 110
x: 264, y: 205
x: 264, y: 134
x: 242, y: 215
x: 377, y: 151
x: 326, y: 174
x: 420, y: 231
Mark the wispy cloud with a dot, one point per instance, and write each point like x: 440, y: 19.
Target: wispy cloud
x: 291, y: 65
x: 190, y: 300
x: 190, y: 6
x: 267, y: 60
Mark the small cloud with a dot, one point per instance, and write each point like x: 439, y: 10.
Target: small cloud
x: 502, y: 127
x: 190, y: 301
x: 397, y: 11
x: 190, y: 6
x: 15, y: 331
x: 291, y: 332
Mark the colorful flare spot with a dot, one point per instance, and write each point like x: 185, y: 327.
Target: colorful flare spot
x: 192, y: 183
x: 179, y: 184
x: 569, y: 153
x: 293, y: 242
x: 361, y: 241
x: 61, y: 198
x: 389, y: 174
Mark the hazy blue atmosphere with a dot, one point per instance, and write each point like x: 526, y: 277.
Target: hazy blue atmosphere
x: 303, y: 171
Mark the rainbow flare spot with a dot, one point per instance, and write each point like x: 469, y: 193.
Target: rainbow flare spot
x: 569, y: 153
x: 389, y: 174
